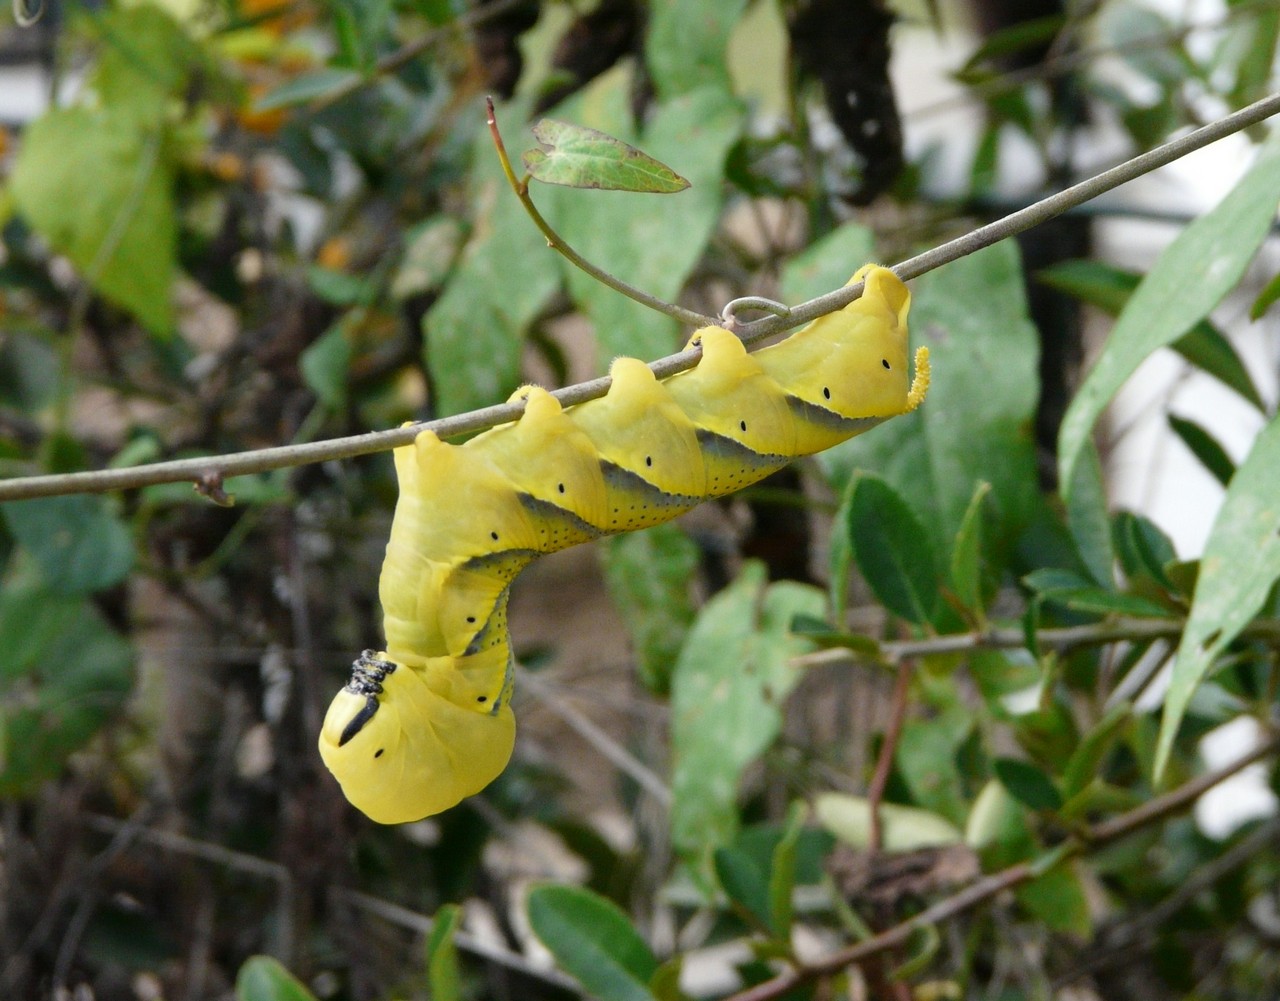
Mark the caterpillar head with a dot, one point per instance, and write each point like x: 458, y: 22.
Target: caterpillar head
x: 401, y: 751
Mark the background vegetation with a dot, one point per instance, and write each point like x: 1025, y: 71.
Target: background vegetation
x: 920, y: 718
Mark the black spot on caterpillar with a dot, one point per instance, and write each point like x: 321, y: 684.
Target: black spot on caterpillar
x: 428, y: 722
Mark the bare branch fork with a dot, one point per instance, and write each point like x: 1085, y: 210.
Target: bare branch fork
x: 263, y: 460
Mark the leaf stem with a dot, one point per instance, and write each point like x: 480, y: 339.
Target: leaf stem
x: 557, y: 243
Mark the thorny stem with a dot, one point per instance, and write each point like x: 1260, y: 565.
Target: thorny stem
x: 556, y: 242
x: 280, y: 457
x: 992, y: 886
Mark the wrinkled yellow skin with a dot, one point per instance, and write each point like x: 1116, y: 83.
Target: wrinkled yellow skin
x: 428, y: 721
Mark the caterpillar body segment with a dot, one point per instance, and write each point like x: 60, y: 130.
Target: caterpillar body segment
x: 427, y: 722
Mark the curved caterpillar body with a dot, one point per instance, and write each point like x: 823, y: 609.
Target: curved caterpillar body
x: 428, y: 721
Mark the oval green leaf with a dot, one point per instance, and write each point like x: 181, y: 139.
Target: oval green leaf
x: 578, y: 157
x: 593, y: 941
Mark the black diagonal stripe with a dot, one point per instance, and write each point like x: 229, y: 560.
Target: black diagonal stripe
x: 725, y: 447
x: 624, y: 479
x: 823, y: 417
x: 489, y: 561
x: 553, y: 512
x: 478, y: 640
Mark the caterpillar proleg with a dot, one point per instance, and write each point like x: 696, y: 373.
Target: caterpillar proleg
x: 428, y: 722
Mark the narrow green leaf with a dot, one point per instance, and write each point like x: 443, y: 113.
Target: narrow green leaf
x: 1186, y: 282
x: 1240, y: 565
x: 782, y: 875
x: 324, y: 366
x: 1027, y: 784
x: 1204, y: 447
x: 1266, y: 299
x: 1142, y: 548
x: 442, y: 955
x: 79, y: 544
x: 1023, y: 35
x: 1087, y: 519
x: 264, y: 978
x: 665, y: 984
x: 593, y: 941
x: 966, y: 555
x: 1110, y: 288
x: 306, y: 87
x: 579, y: 157
x: 893, y: 550
x: 745, y: 883
x: 903, y: 828
x: 1086, y: 760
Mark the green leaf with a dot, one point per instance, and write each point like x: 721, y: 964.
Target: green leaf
x: 653, y: 243
x: 966, y: 556
x: 1058, y: 899
x: 324, y: 366
x: 306, y: 87
x: 1240, y: 565
x: 977, y: 425
x: 1110, y: 288
x: 579, y: 157
x: 1143, y: 549
x: 99, y: 188
x: 782, y: 875
x: 338, y: 288
x: 63, y: 676
x: 1204, y: 447
x: 442, y: 955
x: 685, y: 44
x: 745, y: 883
x: 1266, y: 299
x: 146, y: 64
x: 903, y: 828
x: 893, y: 550
x: 79, y: 545
x: 1086, y: 760
x: 1190, y: 277
x: 593, y: 941
x: 1023, y: 35
x: 730, y: 683
x: 649, y: 575
x: 503, y: 277
x: 1087, y: 517
x: 264, y: 978
x: 997, y: 823
x: 1027, y: 784
x: 430, y: 249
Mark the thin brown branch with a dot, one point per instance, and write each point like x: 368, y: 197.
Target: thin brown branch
x: 884, y: 764
x: 992, y: 886
x: 1066, y: 638
x: 263, y: 460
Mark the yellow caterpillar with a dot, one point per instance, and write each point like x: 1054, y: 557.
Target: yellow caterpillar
x: 428, y: 721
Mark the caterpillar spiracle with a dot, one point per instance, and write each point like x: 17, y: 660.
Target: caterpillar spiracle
x: 428, y: 722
